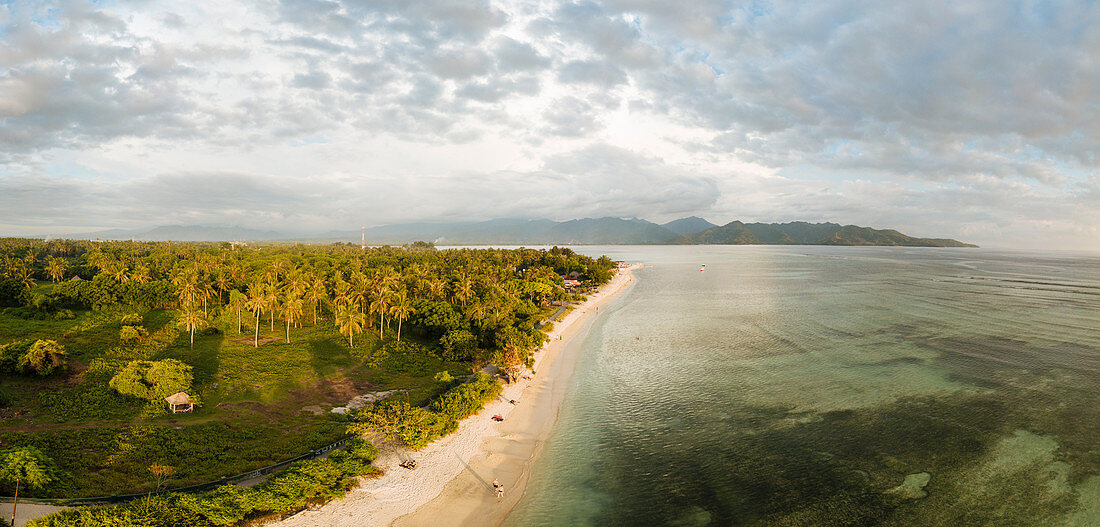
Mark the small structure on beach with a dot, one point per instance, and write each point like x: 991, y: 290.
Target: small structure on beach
x: 180, y: 402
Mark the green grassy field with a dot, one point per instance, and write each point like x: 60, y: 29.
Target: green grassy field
x: 254, y: 400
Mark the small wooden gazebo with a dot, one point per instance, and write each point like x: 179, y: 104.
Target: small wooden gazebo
x: 180, y: 402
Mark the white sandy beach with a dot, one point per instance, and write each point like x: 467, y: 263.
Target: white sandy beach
x: 452, y: 484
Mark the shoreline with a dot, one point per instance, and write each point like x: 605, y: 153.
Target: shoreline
x: 452, y: 484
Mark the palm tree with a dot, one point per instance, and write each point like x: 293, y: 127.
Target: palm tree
x: 191, y: 318
x: 315, y: 295
x: 222, y: 283
x: 237, y: 301
x: 292, y: 312
x: 350, y: 322
x: 294, y: 284
x: 187, y: 287
x: 118, y: 271
x: 358, y: 294
x: 23, y: 275
x: 401, y: 310
x: 278, y: 266
x: 140, y: 273
x: 271, y: 295
x: 55, y: 267
x: 257, y: 301
x: 25, y: 465
x: 379, y: 307
x: 464, y: 288
x: 436, y: 288
x: 205, y: 290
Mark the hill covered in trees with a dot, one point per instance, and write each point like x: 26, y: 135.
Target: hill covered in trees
x: 802, y: 233
x: 586, y: 231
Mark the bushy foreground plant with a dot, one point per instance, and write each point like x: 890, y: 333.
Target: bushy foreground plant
x: 415, y: 426
x: 40, y: 357
x: 396, y: 419
x: 467, y: 399
x: 152, y: 380
x: 403, y: 356
x: 303, y: 483
x: 129, y: 334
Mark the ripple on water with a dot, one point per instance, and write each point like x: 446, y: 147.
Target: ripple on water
x: 832, y: 386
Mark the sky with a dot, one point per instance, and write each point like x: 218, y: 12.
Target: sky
x: 976, y: 120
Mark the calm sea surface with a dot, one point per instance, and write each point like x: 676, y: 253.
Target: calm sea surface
x: 833, y: 386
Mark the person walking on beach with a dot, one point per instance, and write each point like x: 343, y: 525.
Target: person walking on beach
x: 500, y: 491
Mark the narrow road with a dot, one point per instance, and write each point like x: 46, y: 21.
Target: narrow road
x: 554, y: 316
x: 25, y: 512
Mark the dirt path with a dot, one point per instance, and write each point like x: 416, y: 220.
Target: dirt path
x: 26, y: 512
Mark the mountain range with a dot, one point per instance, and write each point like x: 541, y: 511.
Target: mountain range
x: 586, y: 231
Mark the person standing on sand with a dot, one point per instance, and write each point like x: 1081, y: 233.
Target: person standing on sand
x: 500, y: 491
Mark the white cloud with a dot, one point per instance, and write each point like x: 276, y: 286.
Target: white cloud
x: 970, y: 119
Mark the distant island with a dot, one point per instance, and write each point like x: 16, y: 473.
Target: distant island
x: 587, y: 231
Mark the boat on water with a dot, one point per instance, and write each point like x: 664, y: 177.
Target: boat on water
x: 703, y: 268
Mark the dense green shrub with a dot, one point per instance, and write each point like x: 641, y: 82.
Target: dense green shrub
x: 11, y: 353
x: 91, y: 399
x: 303, y: 483
x: 403, y: 356
x: 38, y: 357
x: 129, y: 334
x: 414, y: 426
x: 152, y: 380
x: 162, y: 510
x: 467, y: 399
x: 459, y: 345
x: 444, y: 377
x: 102, y: 291
x: 34, y: 313
x: 360, y: 449
x: 11, y: 292
x: 131, y: 319
x: 435, y: 318
x: 43, y: 357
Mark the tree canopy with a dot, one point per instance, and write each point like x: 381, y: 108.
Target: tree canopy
x: 152, y: 380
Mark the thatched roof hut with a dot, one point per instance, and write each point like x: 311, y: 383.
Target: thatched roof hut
x: 180, y: 402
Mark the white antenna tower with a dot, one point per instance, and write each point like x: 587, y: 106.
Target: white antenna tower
x: 363, y: 244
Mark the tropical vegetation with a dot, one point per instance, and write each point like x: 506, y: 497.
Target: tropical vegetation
x: 267, y: 339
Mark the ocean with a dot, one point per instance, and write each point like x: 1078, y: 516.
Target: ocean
x: 825, y: 386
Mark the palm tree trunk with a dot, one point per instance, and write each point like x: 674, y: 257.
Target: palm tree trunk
x: 15, y: 503
x: 288, y: 332
x: 256, y: 343
x: 399, y: 329
x: 238, y: 321
x: 380, y: 325
x: 192, y: 343
x: 272, y: 320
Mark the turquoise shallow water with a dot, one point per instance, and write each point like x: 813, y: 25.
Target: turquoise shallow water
x: 833, y: 386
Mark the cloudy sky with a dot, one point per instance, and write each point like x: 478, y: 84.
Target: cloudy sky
x: 978, y: 120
